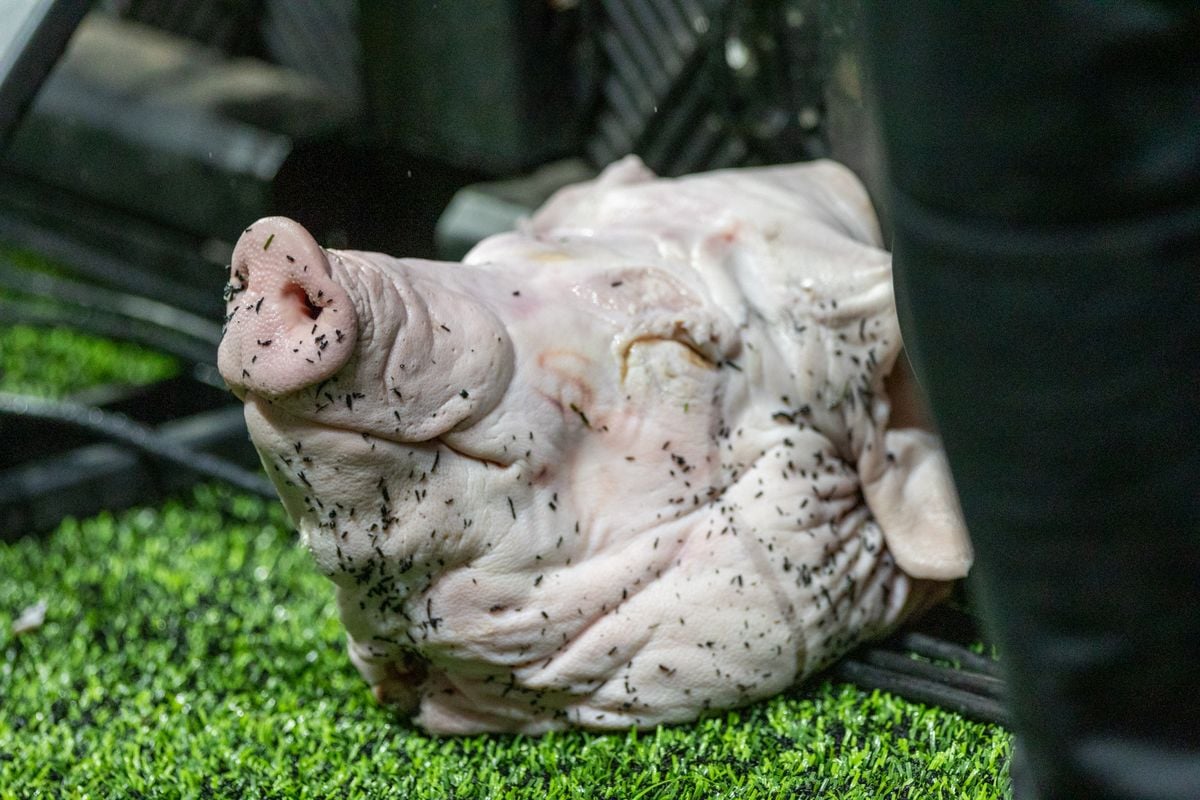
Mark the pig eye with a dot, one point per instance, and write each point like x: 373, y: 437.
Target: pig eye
x: 296, y: 294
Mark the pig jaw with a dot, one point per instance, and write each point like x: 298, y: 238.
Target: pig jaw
x: 387, y: 523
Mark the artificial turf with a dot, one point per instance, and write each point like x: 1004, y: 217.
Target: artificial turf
x: 192, y: 650
x: 55, y: 362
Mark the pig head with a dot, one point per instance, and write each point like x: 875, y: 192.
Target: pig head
x: 649, y: 456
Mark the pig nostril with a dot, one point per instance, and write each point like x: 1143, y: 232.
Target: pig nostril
x: 297, y: 294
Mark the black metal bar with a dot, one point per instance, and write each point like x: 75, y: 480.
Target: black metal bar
x: 612, y: 135
x: 33, y: 35
x: 108, y: 246
x: 34, y: 497
x: 731, y: 153
x: 626, y: 73
x: 624, y: 111
x: 903, y: 663
x: 667, y: 61
x: 930, y: 647
x: 968, y: 704
x: 131, y: 306
x: 646, y: 63
x: 703, y: 140
x: 110, y: 326
x: 140, y: 437
x: 29, y: 439
x: 673, y: 126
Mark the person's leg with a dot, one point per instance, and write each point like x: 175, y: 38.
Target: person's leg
x: 1044, y: 163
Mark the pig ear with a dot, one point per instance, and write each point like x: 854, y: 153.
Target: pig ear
x: 578, y: 204
x: 848, y: 202
x: 912, y: 498
x: 834, y: 194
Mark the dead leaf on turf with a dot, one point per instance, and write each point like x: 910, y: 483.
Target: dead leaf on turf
x: 30, y: 618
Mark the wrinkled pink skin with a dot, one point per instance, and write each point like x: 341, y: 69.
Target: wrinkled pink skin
x: 627, y: 465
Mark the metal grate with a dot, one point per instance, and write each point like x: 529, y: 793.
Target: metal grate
x: 691, y: 85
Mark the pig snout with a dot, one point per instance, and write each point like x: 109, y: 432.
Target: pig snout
x: 288, y: 323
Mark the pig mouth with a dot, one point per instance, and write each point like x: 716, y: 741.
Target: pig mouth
x: 281, y: 419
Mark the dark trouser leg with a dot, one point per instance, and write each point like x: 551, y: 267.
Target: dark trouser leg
x: 1045, y: 187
